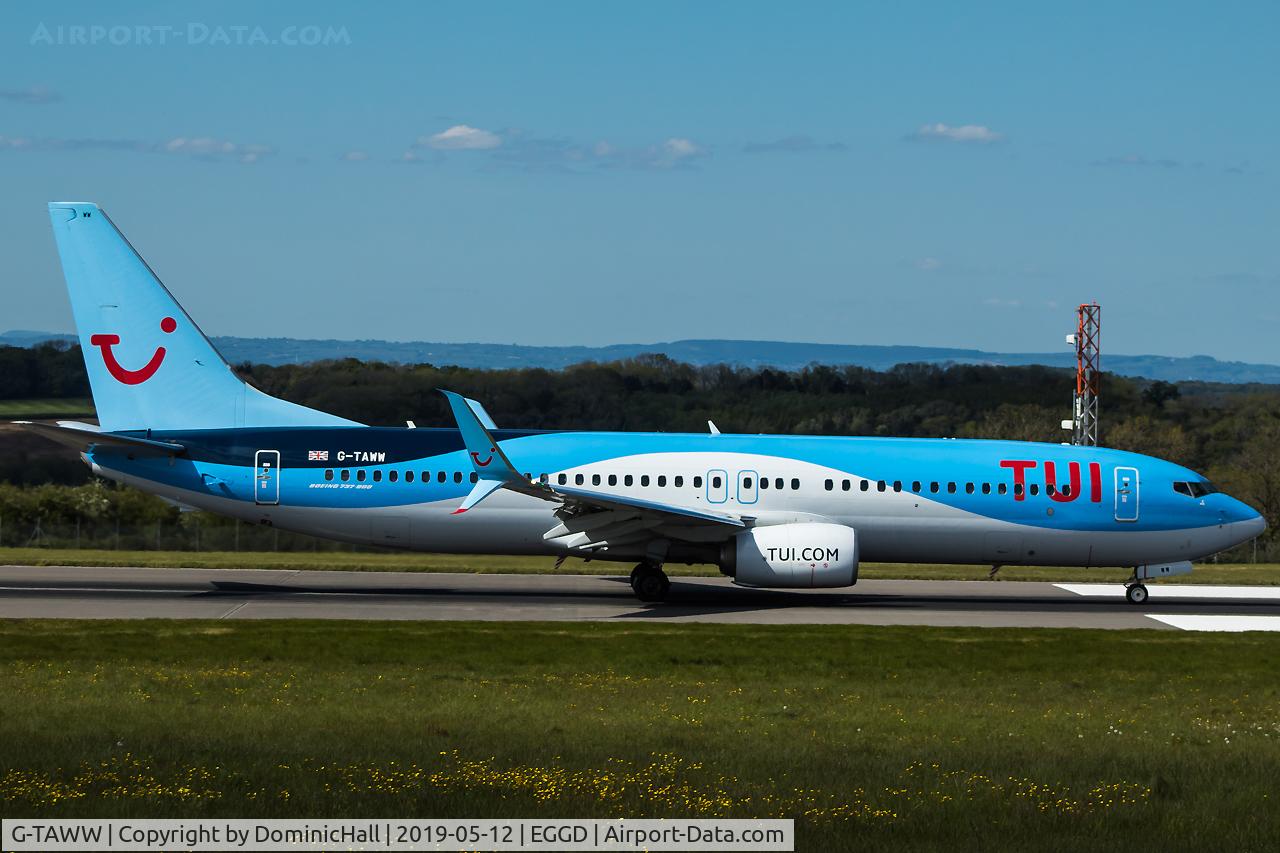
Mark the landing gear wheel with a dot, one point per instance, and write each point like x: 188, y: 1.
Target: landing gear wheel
x: 1136, y: 593
x: 649, y: 582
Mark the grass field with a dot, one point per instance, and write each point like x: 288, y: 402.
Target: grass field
x: 872, y: 738
x: 51, y: 408
x: 1208, y: 573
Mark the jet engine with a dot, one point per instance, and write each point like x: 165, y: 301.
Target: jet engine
x: 803, y: 555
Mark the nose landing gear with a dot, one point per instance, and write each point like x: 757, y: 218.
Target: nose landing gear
x: 649, y: 582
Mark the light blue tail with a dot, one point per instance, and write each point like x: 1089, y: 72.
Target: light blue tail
x: 149, y: 365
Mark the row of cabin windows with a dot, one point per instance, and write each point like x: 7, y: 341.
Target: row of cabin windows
x: 644, y: 480
x: 778, y: 483
x: 393, y: 476
x: 951, y: 488
x: 717, y: 482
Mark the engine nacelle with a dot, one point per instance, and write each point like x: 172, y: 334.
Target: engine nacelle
x: 804, y: 555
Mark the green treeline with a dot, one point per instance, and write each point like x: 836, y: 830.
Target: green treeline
x: 1231, y: 433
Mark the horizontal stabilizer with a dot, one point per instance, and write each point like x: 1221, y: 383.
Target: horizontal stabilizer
x: 83, y: 436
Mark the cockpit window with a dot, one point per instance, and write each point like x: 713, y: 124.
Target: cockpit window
x: 1195, y: 489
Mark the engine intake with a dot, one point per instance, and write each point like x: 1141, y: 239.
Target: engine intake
x: 804, y: 555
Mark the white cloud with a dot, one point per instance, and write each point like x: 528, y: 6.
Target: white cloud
x: 207, y: 147
x: 461, y: 137
x: 355, y: 156
x: 200, y: 147
x: 956, y: 133
x: 677, y: 148
x: 33, y: 95
x: 795, y: 144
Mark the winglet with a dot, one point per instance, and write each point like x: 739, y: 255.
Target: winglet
x: 491, y: 465
x: 481, y: 414
x: 488, y: 460
x: 482, y: 490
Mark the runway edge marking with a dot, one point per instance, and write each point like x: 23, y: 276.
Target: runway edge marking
x: 1115, y: 590
x: 1233, y: 624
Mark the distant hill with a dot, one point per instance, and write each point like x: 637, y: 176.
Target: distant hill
x: 787, y: 356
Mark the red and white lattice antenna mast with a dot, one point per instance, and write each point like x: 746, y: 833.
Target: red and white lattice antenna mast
x: 1088, y: 341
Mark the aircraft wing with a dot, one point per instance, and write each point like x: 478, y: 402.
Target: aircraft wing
x: 589, y: 519
x: 82, y: 436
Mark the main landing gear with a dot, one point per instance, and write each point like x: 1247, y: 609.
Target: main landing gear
x: 1136, y: 593
x: 649, y: 582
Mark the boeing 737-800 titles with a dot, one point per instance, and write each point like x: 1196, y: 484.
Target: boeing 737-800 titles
x: 770, y: 510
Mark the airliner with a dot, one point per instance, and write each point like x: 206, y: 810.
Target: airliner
x: 773, y: 511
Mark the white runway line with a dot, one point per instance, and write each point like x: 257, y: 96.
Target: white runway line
x: 1220, y: 623
x: 1115, y: 590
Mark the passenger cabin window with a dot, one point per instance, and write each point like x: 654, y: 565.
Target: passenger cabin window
x: 441, y: 477
x: 662, y: 480
x: 628, y: 480
x: 577, y: 479
x: 880, y: 485
x: 845, y: 485
x: 829, y: 485
x: 595, y: 479
x: 475, y: 477
x: 328, y: 474
x: 968, y: 488
x: 408, y: 476
x: 951, y: 488
x: 764, y: 482
x: 1035, y: 489
x: 1017, y: 489
x: 795, y: 483
x: 777, y: 482
x: 563, y: 479
x: 644, y: 480
x: 715, y: 482
x: 377, y: 476
x: 897, y: 485
x: 457, y: 476
x: 697, y: 482
x: 360, y: 475
x: 393, y: 476
x: 746, y: 482
x: 1003, y: 488
x: 613, y: 479
x: 679, y: 481
x: 986, y: 488
x: 865, y: 485
x: 915, y: 486
x: 933, y: 487
x: 346, y: 475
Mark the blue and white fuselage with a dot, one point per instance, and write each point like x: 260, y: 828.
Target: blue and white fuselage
x: 779, y: 511
x: 910, y: 500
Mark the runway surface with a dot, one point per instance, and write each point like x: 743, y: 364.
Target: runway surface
x: 64, y: 592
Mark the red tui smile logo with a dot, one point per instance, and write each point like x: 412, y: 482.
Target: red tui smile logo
x: 121, y: 374
x: 476, y: 458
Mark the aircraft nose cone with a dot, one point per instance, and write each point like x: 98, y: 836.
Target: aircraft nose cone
x: 1253, y: 527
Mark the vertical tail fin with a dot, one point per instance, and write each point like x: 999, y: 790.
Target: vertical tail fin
x: 149, y: 365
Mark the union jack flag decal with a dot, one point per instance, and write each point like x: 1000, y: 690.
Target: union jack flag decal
x: 317, y: 456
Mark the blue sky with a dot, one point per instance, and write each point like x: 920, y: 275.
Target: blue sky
x: 547, y: 173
